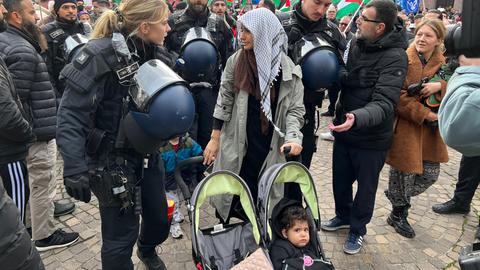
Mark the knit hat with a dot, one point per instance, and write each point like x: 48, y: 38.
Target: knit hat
x: 59, y: 3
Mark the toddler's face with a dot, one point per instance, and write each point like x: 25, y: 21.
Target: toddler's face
x: 298, y: 234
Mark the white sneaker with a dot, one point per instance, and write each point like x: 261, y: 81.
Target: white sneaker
x: 177, y: 215
x: 176, y: 231
x: 327, y: 136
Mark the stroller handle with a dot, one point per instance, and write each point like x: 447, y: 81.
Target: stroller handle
x: 178, y: 174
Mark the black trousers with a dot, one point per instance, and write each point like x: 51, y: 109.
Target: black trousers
x: 15, y: 180
x: 468, y: 180
x: 205, y: 100
x: 309, y: 138
x: 352, y: 164
x: 120, y: 232
x: 332, y: 97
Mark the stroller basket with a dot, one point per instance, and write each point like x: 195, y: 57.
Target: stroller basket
x: 227, y: 247
x: 221, y: 247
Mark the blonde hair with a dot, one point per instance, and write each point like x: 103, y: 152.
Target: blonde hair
x: 438, y: 28
x: 129, y: 15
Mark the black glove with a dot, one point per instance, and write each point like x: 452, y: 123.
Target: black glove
x: 78, y: 186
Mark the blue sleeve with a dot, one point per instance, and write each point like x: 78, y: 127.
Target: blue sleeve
x: 196, y: 149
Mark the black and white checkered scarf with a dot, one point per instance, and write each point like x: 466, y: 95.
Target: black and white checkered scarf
x: 269, y: 41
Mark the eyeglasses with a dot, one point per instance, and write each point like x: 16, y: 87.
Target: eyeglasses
x: 343, y: 24
x: 365, y: 19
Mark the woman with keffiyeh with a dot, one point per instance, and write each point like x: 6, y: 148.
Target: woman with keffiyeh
x: 259, y: 109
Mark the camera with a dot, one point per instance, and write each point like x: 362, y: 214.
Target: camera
x: 414, y: 89
x: 465, y: 38
x: 430, y: 102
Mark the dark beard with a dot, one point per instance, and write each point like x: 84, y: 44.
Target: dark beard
x: 198, y: 8
x: 3, y: 25
x: 32, y: 30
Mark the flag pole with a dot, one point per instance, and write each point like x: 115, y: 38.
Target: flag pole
x: 353, y: 17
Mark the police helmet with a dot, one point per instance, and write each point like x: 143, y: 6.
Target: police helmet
x: 72, y: 45
x: 198, y: 60
x: 163, y: 107
x: 320, y: 65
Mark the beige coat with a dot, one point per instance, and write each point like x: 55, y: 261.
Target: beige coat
x: 232, y: 108
x: 414, y: 142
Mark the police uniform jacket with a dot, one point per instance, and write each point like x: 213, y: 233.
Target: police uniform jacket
x: 21, y: 54
x: 93, y: 100
x: 297, y: 25
x: 371, y: 90
x: 56, y: 33
x: 180, y: 22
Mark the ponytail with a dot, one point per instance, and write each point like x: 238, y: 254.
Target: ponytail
x: 106, y: 25
x: 129, y: 15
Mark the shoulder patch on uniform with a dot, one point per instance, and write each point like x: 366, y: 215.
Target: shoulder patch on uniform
x: 82, y: 57
x: 56, y: 33
x: 329, y: 33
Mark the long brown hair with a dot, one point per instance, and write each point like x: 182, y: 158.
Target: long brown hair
x: 129, y: 15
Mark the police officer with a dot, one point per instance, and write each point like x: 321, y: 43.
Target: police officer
x: 308, y: 18
x: 65, y: 24
x: 104, y: 133
x: 197, y: 14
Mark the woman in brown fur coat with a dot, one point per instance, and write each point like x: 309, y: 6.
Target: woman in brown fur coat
x: 417, y: 149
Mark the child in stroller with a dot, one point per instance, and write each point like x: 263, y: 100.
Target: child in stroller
x: 291, y: 247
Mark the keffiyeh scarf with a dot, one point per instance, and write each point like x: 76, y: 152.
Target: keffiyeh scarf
x: 269, y: 41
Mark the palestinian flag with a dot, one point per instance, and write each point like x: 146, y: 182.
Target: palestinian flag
x: 345, y: 7
x: 286, y: 7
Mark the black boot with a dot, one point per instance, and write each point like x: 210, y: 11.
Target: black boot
x: 398, y: 220
x: 151, y: 260
x: 451, y: 207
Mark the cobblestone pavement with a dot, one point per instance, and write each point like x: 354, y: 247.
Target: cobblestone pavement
x: 437, y: 244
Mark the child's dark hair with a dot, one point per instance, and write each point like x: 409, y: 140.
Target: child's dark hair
x: 292, y: 214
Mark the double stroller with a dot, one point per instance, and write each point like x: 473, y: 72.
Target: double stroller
x: 223, y: 246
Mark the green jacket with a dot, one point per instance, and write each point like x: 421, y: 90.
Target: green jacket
x: 232, y: 108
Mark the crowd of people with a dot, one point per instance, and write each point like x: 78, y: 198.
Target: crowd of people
x: 80, y: 117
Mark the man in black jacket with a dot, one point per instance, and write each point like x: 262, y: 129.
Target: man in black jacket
x: 15, y: 136
x: 363, y: 127
x: 16, y: 249
x: 308, y: 18
x: 20, y: 49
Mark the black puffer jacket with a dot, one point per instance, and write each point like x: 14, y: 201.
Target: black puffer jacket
x: 371, y: 90
x: 15, y: 131
x: 29, y: 72
x: 16, y: 249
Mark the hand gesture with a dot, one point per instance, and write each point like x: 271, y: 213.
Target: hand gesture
x: 348, y: 124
